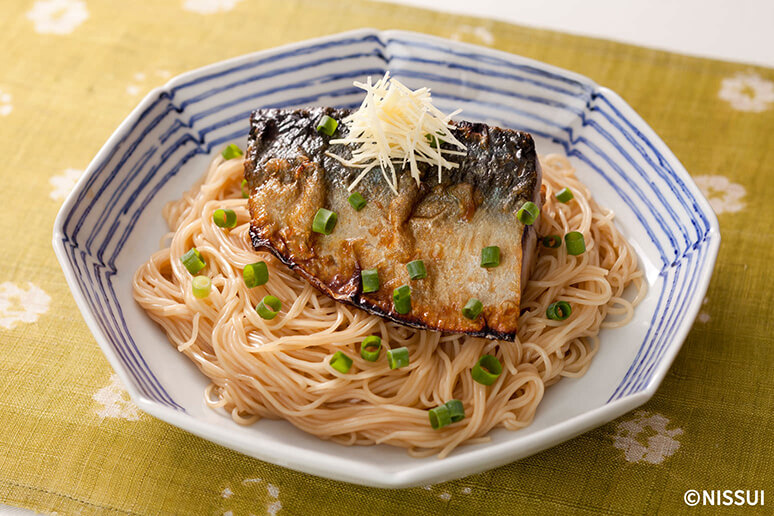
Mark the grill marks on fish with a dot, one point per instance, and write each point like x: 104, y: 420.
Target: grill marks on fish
x: 445, y: 224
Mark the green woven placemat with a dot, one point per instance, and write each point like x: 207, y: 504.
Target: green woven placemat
x: 72, y: 442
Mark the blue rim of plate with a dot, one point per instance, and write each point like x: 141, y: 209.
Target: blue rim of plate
x: 175, y: 123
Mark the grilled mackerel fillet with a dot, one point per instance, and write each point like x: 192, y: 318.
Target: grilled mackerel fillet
x: 445, y: 224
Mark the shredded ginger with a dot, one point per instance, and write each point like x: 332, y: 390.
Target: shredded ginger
x: 395, y: 124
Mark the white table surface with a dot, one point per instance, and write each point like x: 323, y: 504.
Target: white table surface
x: 738, y: 30
x: 735, y: 30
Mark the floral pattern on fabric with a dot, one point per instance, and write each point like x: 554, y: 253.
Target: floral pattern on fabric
x: 209, y: 6
x: 5, y: 103
x: 480, y: 35
x: 58, y: 16
x: 747, y: 91
x: 20, y: 305
x: 723, y: 195
x: 140, y: 81
x: 704, y: 316
x: 115, y: 402
x: 445, y: 493
x: 62, y: 184
x: 250, y: 490
x: 275, y: 506
x: 645, y: 438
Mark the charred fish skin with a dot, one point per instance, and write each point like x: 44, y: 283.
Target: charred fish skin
x: 445, y: 223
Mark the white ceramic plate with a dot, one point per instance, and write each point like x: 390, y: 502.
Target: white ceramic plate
x: 112, y: 222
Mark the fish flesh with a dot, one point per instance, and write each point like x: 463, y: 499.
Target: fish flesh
x: 291, y: 174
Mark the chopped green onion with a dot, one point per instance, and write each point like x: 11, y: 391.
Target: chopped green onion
x: 416, y: 269
x: 269, y: 307
x: 255, y: 274
x: 341, y: 362
x: 456, y: 410
x: 401, y: 298
x: 201, y: 286
x: 440, y: 416
x: 193, y: 260
x: 402, y: 306
x: 403, y: 291
x: 575, y: 243
x: 370, y: 348
x: 370, y: 280
x: 224, y: 218
x: 245, y: 189
x: 528, y: 213
x: 559, y: 311
x: 564, y: 195
x: 398, y: 357
x: 231, y: 152
x: 433, y: 140
x: 487, y: 370
x: 552, y: 241
x: 490, y: 256
x: 472, y: 309
x: 324, y: 221
x: 356, y: 201
x: 327, y: 125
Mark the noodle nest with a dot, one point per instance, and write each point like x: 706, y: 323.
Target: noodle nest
x: 280, y: 368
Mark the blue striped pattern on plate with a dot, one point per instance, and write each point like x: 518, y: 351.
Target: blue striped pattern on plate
x: 199, y: 112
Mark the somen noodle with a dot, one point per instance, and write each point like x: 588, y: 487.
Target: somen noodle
x: 280, y: 368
